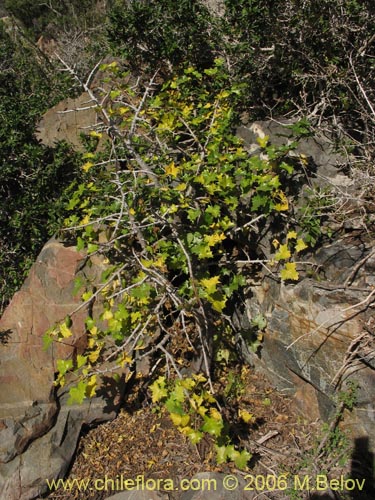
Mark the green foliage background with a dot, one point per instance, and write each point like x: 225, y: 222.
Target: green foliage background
x: 32, y: 176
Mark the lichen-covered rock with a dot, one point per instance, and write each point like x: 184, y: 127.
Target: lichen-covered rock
x: 67, y: 120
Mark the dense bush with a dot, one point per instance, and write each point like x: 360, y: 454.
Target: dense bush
x: 307, y: 57
x: 36, y: 16
x: 176, y: 205
x: 32, y: 177
x: 311, y: 58
x: 160, y: 33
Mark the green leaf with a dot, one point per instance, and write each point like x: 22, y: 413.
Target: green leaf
x: 259, y: 321
x: 77, y: 394
x: 68, y: 321
x: 47, y: 340
x: 178, y: 393
x: 213, y: 426
x: 241, y: 459
x: 193, y: 214
x: 64, y: 365
x: 78, y: 283
x: 211, y: 71
x: 91, y: 248
x: 81, y: 360
x: 288, y: 168
x: 194, y: 436
x: 203, y: 251
x: 174, y: 406
x: 221, y: 454
x: 258, y: 201
x: 80, y: 244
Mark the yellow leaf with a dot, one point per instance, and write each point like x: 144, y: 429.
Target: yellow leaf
x: 186, y: 111
x: 275, y: 243
x: 91, y: 387
x: 283, y: 202
x: 85, y: 220
x: 188, y: 383
x: 218, y: 305
x: 124, y: 359
x: 201, y: 410
x: 87, y: 295
x: 304, y: 160
x: 86, y: 167
x: 180, y: 420
x: 160, y: 262
x: 65, y: 332
x: 289, y: 272
x: 215, y: 414
x: 210, y: 284
x: 94, y: 355
x: 283, y: 253
x: 197, y: 399
x: 186, y: 430
x: 215, y: 238
x: 91, y: 343
x: 292, y: 235
x: 94, y: 330
x: 247, y: 417
x: 223, y: 94
x: 300, y: 245
x: 93, y: 133
x: 140, y: 345
x: 172, y: 170
x: 107, y: 315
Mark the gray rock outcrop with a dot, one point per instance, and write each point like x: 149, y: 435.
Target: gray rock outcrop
x: 320, y: 332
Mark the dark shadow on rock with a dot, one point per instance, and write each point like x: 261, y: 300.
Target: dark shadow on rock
x: 112, y: 392
x: 363, y: 468
x: 5, y: 336
x: 361, y: 479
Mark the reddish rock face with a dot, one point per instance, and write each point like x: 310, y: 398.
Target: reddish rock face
x: 39, y: 431
x: 26, y: 370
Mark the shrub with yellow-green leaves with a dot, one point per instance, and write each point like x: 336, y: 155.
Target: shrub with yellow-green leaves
x: 174, y: 202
